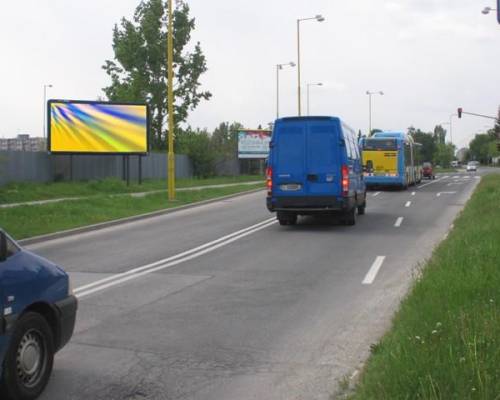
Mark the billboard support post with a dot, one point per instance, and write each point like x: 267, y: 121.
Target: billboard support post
x: 140, y: 170
x: 170, y: 105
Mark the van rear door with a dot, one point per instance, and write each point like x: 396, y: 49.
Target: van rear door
x: 323, y: 158
x: 306, y: 158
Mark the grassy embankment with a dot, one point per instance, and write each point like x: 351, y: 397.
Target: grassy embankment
x: 445, y: 339
x: 27, y: 221
x: 23, y: 192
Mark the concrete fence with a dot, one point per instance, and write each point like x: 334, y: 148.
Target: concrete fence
x: 21, y: 166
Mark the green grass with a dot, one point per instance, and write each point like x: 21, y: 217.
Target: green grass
x: 27, y: 221
x: 26, y: 191
x: 445, y: 339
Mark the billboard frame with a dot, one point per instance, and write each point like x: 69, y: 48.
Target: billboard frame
x: 251, y: 130
x: 90, y: 153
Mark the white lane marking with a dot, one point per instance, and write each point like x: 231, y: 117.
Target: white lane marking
x: 446, y: 176
x: 477, y: 177
x: 408, y: 204
x: 354, y: 374
x: 398, y: 222
x: 372, y: 273
x: 456, y: 176
x: 376, y: 194
x: 177, y: 256
x: 438, y: 194
x: 413, y: 193
x: 170, y: 264
x: 430, y: 183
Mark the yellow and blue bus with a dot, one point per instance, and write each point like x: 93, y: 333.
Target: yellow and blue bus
x: 391, y: 159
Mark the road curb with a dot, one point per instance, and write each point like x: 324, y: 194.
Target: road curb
x: 102, y: 225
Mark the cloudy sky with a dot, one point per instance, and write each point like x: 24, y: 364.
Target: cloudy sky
x: 428, y: 56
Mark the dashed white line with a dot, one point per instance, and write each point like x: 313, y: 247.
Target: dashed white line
x: 398, y: 222
x: 408, y: 204
x: 413, y: 193
x: 376, y: 194
x: 373, y: 271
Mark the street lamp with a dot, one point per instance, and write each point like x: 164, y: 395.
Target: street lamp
x: 45, y: 108
x: 318, y: 18
x: 451, y: 127
x: 278, y: 68
x: 370, y: 109
x: 308, y: 86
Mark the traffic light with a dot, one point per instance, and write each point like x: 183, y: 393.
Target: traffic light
x: 459, y: 111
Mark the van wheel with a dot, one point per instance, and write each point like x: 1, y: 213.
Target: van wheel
x: 362, y: 209
x: 350, y: 217
x: 29, y: 359
x: 285, y: 218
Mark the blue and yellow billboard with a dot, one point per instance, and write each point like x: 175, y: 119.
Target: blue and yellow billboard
x: 94, y: 127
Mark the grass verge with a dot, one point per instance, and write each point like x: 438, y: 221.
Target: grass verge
x: 28, y: 191
x: 27, y: 221
x: 445, y: 339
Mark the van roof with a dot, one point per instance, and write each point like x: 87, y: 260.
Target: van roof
x: 307, y: 118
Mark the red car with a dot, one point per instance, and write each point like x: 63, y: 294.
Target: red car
x: 427, y: 170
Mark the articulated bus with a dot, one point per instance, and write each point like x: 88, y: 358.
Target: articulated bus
x: 391, y: 159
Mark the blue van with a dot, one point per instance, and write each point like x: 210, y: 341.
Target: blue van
x: 314, y: 166
x: 38, y: 312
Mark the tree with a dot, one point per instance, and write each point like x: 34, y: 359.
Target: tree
x: 482, y: 147
x: 439, y: 134
x: 225, y: 139
x: 138, y: 71
x: 427, y: 142
x: 444, y: 154
x: 197, y: 145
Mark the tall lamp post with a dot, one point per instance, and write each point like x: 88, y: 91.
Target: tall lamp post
x: 370, y: 109
x: 308, y: 86
x: 170, y: 105
x: 451, y: 127
x: 45, y: 109
x: 318, y: 18
x: 278, y: 68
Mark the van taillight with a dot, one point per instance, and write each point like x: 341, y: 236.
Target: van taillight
x: 269, y: 180
x: 345, y: 180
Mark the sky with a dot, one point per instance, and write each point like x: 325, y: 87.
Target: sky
x: 427, y: 56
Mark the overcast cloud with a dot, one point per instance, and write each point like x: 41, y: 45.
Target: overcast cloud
x: 428, y: 56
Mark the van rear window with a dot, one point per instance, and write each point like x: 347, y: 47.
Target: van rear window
x: 380, y: 144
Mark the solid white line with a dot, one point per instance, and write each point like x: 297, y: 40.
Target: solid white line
x: 408, y: 204
x: 376, y: 194
x: 170, y: 264
x: 398, y: 222
x: 171, y: 258
x: 372, y: 273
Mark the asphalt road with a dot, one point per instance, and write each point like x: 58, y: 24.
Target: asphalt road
x: 220, y: 302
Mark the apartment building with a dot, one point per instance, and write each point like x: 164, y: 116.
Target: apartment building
x: 23, y: 143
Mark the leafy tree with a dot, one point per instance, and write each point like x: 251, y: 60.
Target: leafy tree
x: 225, y: 139
x: 439, y: 134
x: 197, y: 145
x: 138, y: 71
x: 482, y: 147
x: 427, y: 142
x: 444, y: 154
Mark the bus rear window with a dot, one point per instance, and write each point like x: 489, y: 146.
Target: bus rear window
x: 380, y: 144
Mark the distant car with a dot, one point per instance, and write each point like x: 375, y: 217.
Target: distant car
x: 454, y: 164
x: 472, y: 166
x: 38, y: 318
x: 427, y: 170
